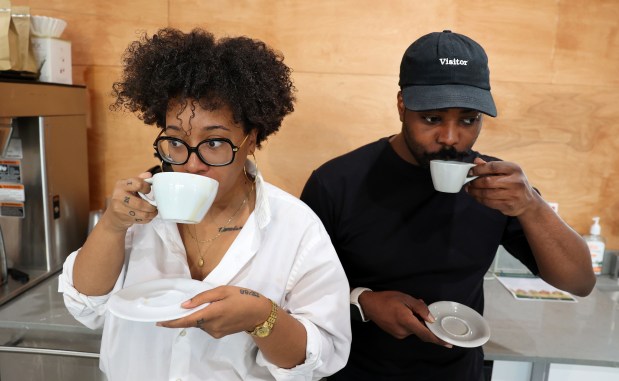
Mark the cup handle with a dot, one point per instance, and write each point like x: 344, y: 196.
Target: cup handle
x: 145, y: 197
x: 469, y: 179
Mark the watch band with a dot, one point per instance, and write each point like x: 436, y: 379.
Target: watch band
x: 264, y: 329
x: 354, y: 300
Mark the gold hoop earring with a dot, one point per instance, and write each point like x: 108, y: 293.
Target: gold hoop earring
x: 252, y: 179
x: 247, y: 175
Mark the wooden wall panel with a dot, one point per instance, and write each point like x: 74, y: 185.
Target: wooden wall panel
x: 335, y: 113
x: 252, y: 18
x: 139, y: 11
x: 554, y: 66
x: 587, y: 49
x: 355, y: 37
x: 99, y: 33
x: 101, y: 39
x: 562, y: 138
x: 518, y: 36
x: 120, y: 145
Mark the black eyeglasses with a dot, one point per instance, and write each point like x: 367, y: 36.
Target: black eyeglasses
x: 216, y: 152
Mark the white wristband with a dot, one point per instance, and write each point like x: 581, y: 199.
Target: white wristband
x: 354, y: 300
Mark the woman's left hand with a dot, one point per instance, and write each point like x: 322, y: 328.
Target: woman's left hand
x: 232, y: 309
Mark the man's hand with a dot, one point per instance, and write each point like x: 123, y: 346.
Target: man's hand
x: 399, y: 314
x: 502, y: 186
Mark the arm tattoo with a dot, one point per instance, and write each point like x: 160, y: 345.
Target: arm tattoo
x: 127, y: 198
x: 129, y: 182
x: 132, y: 213
x: 249, y: 292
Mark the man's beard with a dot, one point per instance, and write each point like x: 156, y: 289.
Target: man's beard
x: 447, y: 153
x: 423, y: 158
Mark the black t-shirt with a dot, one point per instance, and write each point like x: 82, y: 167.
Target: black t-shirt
x: 393, y: 231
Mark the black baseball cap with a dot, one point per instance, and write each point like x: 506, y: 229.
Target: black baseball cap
x: 444, y: 70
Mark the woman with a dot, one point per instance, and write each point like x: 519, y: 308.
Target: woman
x: 280, y: 306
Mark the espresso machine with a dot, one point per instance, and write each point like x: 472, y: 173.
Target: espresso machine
x: 44, y: 201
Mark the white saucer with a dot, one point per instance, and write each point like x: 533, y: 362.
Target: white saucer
x: 458, y: 324
x: 156, y: 300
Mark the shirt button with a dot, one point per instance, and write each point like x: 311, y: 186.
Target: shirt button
x: 183, y: 333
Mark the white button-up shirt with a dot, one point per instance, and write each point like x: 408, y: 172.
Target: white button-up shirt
x: 283, y: 252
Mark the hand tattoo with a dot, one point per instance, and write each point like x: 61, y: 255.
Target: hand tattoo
x: 249, y: 292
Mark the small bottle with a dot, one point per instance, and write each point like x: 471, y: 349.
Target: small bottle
x: 596, y: 244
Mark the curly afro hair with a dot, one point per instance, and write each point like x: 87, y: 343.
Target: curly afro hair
x: 240, y: 72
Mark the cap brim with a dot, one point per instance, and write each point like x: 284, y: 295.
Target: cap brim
x: 421, y: 98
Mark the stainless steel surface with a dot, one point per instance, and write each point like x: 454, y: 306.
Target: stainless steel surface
x: 6, y: 128
x: 39, y: 367
x: 46, y: 343
x: 93, y: 218
x: 50, y: 122
x: 40, y: 340
x: 4, y: 270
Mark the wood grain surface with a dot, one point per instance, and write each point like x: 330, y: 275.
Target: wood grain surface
x: 554, y: 66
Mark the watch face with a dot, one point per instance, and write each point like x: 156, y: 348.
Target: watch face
x: 263, y: 331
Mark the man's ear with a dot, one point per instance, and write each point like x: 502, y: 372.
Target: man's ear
x: 401, y: 107
x: 253, y: 136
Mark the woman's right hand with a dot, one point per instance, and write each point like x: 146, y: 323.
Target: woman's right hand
x: 126, y: 206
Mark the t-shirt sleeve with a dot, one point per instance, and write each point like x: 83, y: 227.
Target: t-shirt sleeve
x: 315, y: 195
x: 515, y: 242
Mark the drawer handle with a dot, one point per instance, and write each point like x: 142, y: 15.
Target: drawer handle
x: 51, y: 352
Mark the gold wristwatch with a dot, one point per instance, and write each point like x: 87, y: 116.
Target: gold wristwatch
x: 264, y: 329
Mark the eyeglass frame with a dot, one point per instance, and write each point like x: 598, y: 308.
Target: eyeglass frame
x: 195, y: 150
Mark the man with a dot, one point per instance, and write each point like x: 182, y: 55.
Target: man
x: 404, y: 245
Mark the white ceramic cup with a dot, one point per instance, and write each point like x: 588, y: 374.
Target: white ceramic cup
x: 450, y: 176
x: 182, y: 197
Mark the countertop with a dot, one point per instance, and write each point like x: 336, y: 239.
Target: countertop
x: 586, y: 332
x: 37, y: 321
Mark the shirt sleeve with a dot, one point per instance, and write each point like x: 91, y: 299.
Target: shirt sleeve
x: 318, y: 297
x: 305, y: 371
x: 88, y: 310
x: 315, y: 196
x: 515, y: 242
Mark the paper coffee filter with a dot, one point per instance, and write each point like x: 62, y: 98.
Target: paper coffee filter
x: 45, y: 26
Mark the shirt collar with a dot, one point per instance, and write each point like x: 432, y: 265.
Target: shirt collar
x: 262, y: 208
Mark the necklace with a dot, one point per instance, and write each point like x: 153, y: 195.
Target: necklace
x: 222, y: 229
